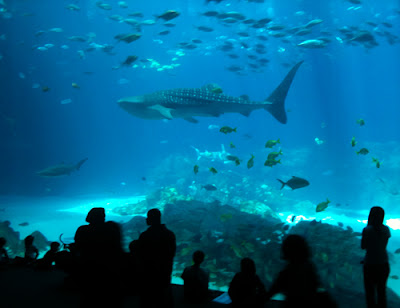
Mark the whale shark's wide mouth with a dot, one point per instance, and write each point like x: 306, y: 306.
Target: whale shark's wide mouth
x: 131, y: 99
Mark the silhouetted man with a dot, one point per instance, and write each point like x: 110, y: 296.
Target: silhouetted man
x: 156, y: 251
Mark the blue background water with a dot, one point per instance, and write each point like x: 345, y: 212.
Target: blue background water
x: 334, y: 87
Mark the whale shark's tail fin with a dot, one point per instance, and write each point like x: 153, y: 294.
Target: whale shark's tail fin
x: 277, y: 98
x: 78, y: 165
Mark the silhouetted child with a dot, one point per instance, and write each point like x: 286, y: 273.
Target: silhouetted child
x: 49, y: 258
x: 4, y: 259
x: 299, y: 281
x: 375, y: 237
x: 195, y: 280
x: 131, y: 274
x: 31, y: 252
x: 246, y: 288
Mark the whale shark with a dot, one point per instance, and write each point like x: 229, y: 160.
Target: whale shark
x: 207, y: 101
x: 61, y: 169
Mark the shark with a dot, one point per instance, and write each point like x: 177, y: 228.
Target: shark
x: 61, y: 169
x: 207, y: 101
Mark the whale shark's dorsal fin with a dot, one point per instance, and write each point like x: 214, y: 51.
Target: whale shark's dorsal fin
x: 164, y: 111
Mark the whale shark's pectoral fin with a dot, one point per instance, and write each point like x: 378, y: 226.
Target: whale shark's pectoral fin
x: 191, y: 120
x: 246, y: 113
x: 164, y: 111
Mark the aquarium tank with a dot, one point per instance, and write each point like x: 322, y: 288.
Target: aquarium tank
x: 241, y: 120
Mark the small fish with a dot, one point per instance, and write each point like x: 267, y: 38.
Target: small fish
x: 209, y: 187
x: 360, y: 122
x: 165, y: 32
x: 340, y: 224
x: 231, y: 145
x: 353, y: 142
x: 272, y: 143
x: 322, y: 206
x: 216, y: 90
x: 169, y: 15
x: 103, y: 6
x: 213, y: 170
x: 143, y: 178
x: 227, y: 130
x: 75, y: 85
x: 127, y: 38
x: 377, y: 162
x: 312, y: 44
x: 363, y: 151
x: 250, y: 163
x: 205, y: 29
x: 233, y: 158
x: 271, y: 162
x: 129, y: 60
x: 397, y: 250
x: 196, y: 169
x: 72, y: 7
x: 395, y: 277
x: 122, y: 4
x: 226, y: 217
x: 45, y: 89
x: 293, y: 218
x: 210, y: 13
x: 312, y: 23
x: 273, y: 155
x: 23, y: 224
x: 295, y: 183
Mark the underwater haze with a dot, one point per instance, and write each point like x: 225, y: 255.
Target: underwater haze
x: 65, y: 65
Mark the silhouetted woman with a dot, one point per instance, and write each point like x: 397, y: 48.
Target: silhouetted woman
x: 375, y: 237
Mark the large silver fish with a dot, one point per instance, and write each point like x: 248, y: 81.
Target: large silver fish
x: 206, y: 101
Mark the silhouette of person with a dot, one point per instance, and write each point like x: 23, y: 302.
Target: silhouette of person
x: 131, y: 277
x: 31, y: 252
x: 156, y: 250
x: 375, y: 237
x: 46, y: 262
x: 195, y: 280
x: 99, y: 250
x: 4, y: 259
x: 298, y: 281
x: 246, y: 288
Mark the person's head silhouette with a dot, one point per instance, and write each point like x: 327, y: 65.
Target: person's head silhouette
x: 198, y: 257
x: 295, y: 249
x: 247, y: 266
x: 96, y: 215
x: 376, y: 216
x: 153, y: 217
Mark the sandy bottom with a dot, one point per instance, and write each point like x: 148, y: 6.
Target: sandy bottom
x: 53, y: 216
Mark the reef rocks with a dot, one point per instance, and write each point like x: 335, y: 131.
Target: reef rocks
x: 157, y: 199
x: 14, y: 244
x: 226, y: 234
